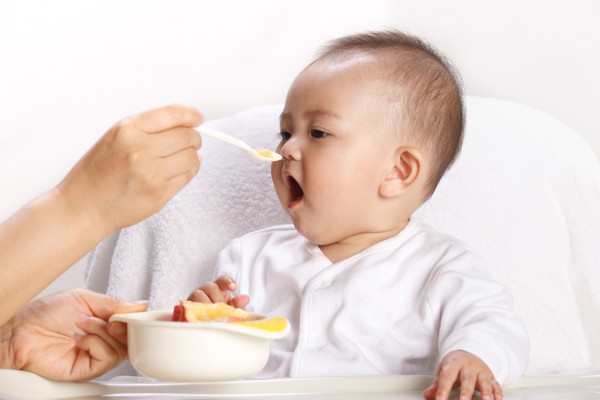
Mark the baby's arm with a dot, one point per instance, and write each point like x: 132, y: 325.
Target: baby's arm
x: 476, y: 320
x: 460, y: 368
x: 219, y: 291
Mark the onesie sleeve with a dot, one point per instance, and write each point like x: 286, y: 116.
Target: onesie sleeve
x: 228, y: 261
x: 475, y: 315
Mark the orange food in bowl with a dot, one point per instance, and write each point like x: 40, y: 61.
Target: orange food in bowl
x: 190, y: 311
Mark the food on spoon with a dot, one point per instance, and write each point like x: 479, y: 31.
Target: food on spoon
x: 191, y: 311
x: 267, y: 153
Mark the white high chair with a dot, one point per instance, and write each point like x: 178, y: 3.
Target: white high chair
x: 524, y: 193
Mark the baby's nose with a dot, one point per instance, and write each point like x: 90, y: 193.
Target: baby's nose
x: 291, y: 149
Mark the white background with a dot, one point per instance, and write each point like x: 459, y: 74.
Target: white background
x: 69, y: 69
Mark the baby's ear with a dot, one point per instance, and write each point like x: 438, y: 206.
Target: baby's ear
x: 404, y: 172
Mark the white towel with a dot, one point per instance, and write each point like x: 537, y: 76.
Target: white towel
x: 525, y: 194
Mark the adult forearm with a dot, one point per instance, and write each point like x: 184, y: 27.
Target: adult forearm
x: 39, y: 243
x: 128, y: 175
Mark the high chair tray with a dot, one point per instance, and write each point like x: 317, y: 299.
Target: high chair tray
x: 20, y: 385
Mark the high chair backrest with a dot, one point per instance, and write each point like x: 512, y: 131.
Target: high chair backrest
x: 525, y: 193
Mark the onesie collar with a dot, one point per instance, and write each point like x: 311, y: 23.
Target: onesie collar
x: 396, y: 240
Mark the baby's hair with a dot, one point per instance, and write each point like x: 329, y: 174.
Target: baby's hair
x: 421, y: 84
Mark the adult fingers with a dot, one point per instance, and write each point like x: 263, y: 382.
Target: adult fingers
x: 103, y: 307
x: 171, y: 116
x: 184, y: 162
x: 96, y: 358
x: 99, y: 328
x: 101, y: 352
x: 127, y: 307
x: 174, y: 140
x: 177, y: 182
x: 118, y: 330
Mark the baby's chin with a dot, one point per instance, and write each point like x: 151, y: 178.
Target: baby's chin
x: 315, y: 237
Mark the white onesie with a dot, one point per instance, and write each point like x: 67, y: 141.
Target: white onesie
x: 397, y: 307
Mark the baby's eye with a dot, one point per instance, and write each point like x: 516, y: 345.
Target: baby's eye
x: 318, y: 134
x: 285, y: 135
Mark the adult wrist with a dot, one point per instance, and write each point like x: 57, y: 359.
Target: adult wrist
x: 85, y: 216
x: 6, y: 353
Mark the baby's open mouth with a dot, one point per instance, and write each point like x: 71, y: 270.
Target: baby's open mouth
x: 296, y: 192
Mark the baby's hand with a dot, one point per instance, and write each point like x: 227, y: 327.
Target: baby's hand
x: 219, y: 291
x: 463, y: 369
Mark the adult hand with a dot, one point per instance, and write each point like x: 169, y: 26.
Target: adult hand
x: 65, y: 337
x: 135, y: 168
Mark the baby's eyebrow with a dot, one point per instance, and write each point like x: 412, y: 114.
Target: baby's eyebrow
x: 311, y: 113
x: 285, y: 116
x: 321, y: 112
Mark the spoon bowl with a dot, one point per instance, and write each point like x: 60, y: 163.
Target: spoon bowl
x: 259, y: 154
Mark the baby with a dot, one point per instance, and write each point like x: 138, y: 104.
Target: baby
x: 367, y: 132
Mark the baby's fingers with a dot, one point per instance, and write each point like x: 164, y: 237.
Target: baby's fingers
x: 226, y: 283
x: 218, y: 291
x: 208, y: 293
x: 199, y: 296
x: 240, y: 301
x: 447, y: 377
x: 490, y: 389
x: 496, y: 389
x: 468, y: 381
x: 214, y: 292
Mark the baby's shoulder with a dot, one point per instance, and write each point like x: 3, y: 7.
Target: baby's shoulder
x: 432, y: 240
x: 444, y: 252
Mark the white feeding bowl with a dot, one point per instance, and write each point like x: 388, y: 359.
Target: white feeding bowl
x: 197, y: 351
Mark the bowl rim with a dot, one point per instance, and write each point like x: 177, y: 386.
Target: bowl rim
x: 156, y: 318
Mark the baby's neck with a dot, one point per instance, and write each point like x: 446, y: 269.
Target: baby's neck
x: 354, y: 244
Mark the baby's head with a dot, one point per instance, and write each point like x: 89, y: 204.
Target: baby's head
x: 421, y: 97
x: 368, y: 130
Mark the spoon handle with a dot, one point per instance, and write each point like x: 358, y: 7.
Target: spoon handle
x: 224, y: 137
